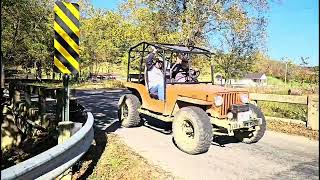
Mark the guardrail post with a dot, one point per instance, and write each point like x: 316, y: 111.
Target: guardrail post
x: 65, y: 130
x: 313, y: 112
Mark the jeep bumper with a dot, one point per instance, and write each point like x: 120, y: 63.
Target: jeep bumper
x: 231, y: 125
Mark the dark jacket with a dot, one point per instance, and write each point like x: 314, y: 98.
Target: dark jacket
x: 150, y: 63
x: 178, y: 68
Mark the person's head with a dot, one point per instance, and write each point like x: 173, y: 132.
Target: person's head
x: 182, y: 60
x: 159, y: 63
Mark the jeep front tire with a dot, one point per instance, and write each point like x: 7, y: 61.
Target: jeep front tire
x: 254, y: 136
x: 128, y: 111
x: 192, y: 130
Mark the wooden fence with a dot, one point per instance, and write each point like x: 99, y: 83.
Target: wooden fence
x: 312, y: 101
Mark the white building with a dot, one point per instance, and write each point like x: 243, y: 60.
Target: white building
x: 250, y: 79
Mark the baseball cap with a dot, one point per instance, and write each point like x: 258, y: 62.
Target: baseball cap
x: 159, y: 59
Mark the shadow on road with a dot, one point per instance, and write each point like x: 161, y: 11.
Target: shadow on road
x: 155, y: 124
x: 103, y: 105
x: 223, y: 140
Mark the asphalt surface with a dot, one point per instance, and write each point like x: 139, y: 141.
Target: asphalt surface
x: 275, y: 156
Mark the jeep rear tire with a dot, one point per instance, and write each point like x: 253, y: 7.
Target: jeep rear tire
x: 250, y: 137
x: 192, y: 130
x: 128, y: 111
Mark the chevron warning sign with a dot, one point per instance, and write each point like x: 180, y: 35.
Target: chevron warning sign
x: 66, y: 37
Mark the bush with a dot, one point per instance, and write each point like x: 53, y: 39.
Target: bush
x: 284, y: 110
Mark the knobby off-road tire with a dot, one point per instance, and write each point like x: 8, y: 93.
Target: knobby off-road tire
x: 202, y: 130
x: 128, y: 111
x: 254, y: 136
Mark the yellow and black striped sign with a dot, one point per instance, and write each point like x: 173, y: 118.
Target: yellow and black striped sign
x: 66, y: 37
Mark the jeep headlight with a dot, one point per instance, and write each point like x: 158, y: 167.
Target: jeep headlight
x: 218, y: 100
x: 244, y: 98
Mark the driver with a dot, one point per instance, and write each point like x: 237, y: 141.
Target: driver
x: 180, y: 69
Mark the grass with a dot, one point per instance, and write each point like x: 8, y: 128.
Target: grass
x: 86, y: 85
x: 99, y: 85
x: 284, y: 110
x: 120, y: 69
x: 49, y: 85
x: 116, y: 161
x: 277, y: 86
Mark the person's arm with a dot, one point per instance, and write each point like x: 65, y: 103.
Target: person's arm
x: 150, y: 58
x: 150, y: 61
x: 175, y: 69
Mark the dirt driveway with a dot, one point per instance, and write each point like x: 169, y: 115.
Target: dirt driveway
x: 276, y: 156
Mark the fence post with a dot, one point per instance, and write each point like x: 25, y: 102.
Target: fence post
x: 313, y: 112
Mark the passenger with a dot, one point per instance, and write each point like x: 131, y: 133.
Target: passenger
x: 155, y: 75
x: 180, y: 69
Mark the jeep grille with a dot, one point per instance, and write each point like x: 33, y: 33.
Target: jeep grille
x: 228, y: 100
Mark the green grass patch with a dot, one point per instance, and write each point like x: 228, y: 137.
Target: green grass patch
x: 49, y: 85
x: 115, y: 160
x: 85, y: 85
x: 99, y: 85
x: 284, y: 110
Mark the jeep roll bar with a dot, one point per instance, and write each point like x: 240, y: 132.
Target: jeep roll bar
x: 164, y: 47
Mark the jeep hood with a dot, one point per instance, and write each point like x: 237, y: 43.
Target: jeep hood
x: 199, y: 91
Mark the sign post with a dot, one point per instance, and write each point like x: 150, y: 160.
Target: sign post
x: 66, y: 44
x: 66, y: 92
x: 66, y: 60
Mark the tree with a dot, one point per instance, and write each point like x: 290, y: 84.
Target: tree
x: 27, y: 34
x: 197, y: 19
x: 235, y: 29
x: 304, y: 71
x: 226, y: 26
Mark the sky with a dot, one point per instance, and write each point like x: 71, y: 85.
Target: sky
x: 293, y: 28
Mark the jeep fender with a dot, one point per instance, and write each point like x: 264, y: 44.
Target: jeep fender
x: 194, y: 101
x: 185, y: 101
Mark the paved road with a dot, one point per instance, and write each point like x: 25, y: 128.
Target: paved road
x: 276, y: 156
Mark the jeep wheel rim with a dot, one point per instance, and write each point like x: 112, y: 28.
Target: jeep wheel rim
x: 188, y: 129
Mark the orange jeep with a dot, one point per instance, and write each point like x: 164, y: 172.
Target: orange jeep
x: 197, y: 110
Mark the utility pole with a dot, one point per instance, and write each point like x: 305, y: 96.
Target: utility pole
x: 285, y: 75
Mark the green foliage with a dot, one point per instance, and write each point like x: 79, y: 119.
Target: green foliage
x: 284, y: 110
x: 277, y: 86
x: 234, y: 30
x: 295, y: 73
x: 100, y: 85
x: 107, y: 35
x: 27, y: 32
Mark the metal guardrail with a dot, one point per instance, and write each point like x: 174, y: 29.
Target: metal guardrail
x: 53, y: 162
x: 8, y: 80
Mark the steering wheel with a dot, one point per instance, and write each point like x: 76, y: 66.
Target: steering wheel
x: 194, y: 73
x: 190, y: 76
